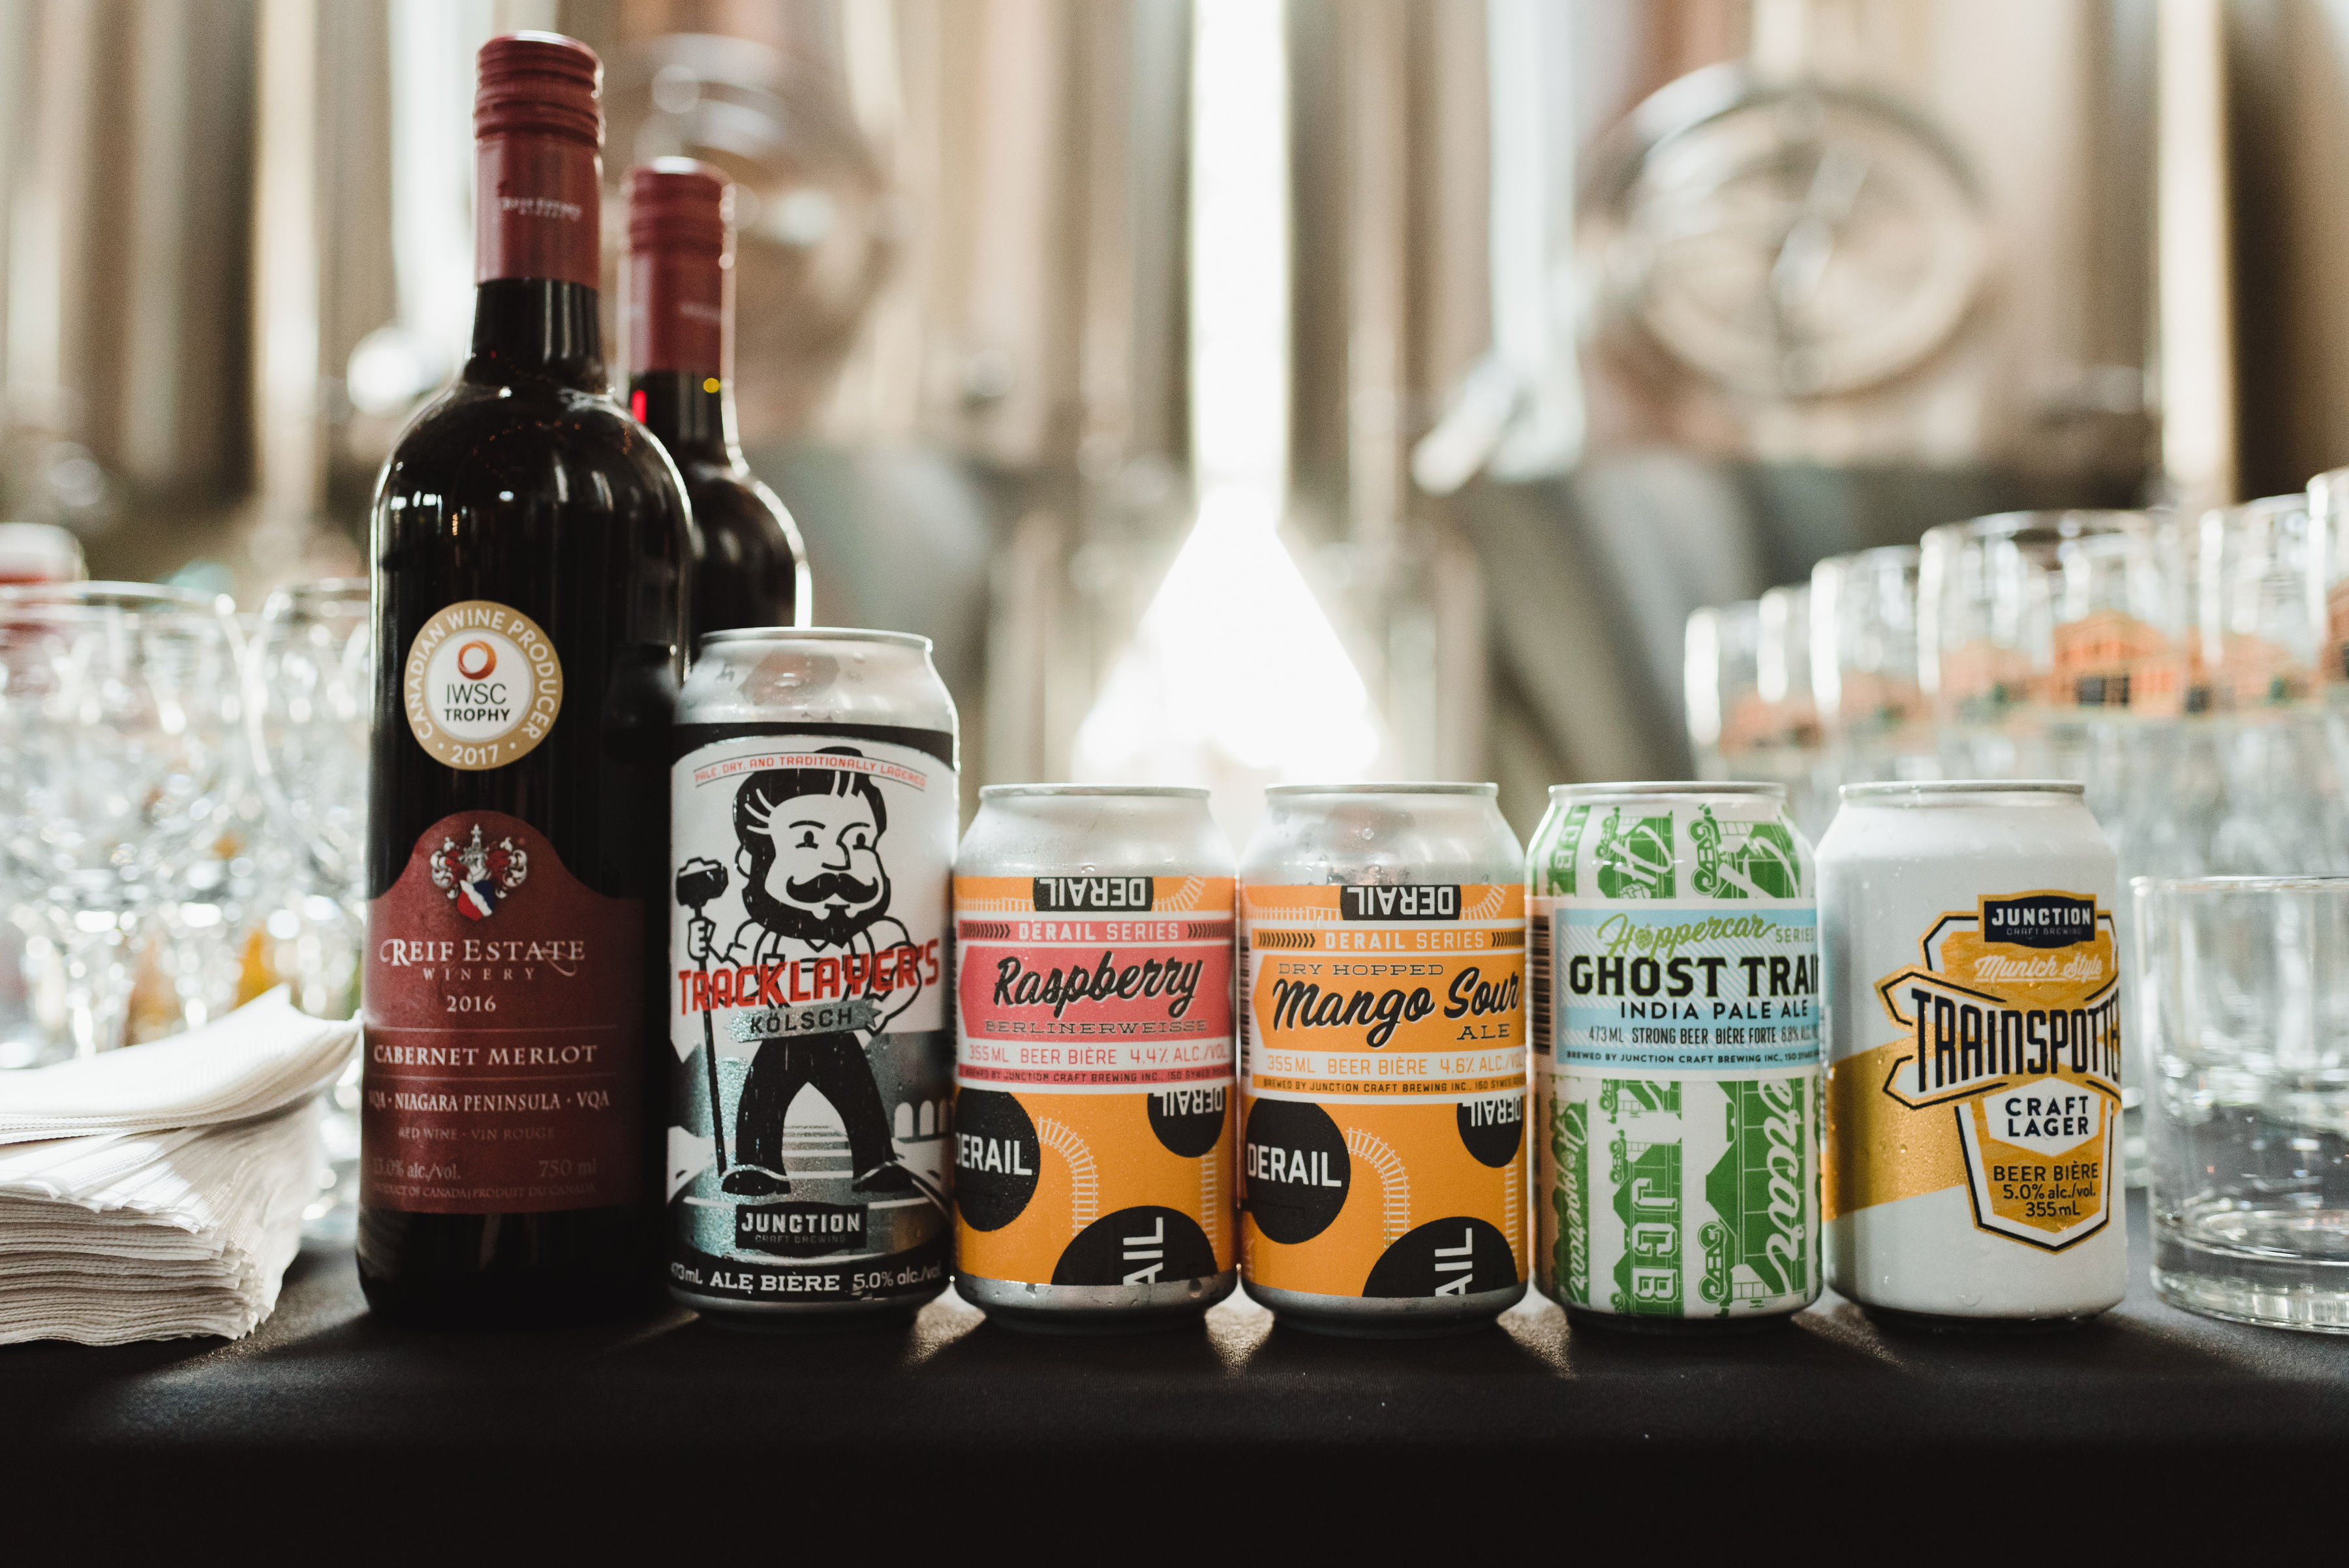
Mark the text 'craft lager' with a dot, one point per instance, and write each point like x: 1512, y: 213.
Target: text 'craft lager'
x: 810, y: 1117
x: 1093, y: 1058
x: 1676, y: 1056
x: 1975, y: 1091
x: 1383, y: 1059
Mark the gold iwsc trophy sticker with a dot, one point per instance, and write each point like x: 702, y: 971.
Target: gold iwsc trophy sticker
x: 483, y: 685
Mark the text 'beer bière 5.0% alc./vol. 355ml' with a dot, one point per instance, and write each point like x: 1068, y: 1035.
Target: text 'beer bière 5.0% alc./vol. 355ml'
x: 529, y: 553
x: 1382, y: 1059
x: 811, y: 1073
x: 1676, y: 1056
x: 1973, y: 1097
x: 1094, y: 1057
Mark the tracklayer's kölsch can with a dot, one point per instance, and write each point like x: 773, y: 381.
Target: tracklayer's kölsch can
x: 1093, y: 1058
x: 1383, y: 1058
x: 1974, y: 1039
x: 813, y: 815
x: 1677, y: 1063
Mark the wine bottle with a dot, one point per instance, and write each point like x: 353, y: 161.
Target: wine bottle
x: 751, y: 569
x: 529, y: 551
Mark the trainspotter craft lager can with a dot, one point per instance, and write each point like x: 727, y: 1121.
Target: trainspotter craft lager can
x: 1094, y: 1090
x: 1974, y: 1041
x: 1383, y: 1058
x: 812, y: 837
x: 1677, y: 1062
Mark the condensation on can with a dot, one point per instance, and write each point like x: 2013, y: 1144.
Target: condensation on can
x: 1093, y: 1058
x: 1973, y: 1158
x: 1675, y: 1015
x: 815, y: 787
x: 1395, y: 1207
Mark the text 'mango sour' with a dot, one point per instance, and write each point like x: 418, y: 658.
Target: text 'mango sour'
x: 1383, y: 1058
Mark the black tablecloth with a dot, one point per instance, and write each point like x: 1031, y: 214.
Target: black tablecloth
x: 326, y: 1413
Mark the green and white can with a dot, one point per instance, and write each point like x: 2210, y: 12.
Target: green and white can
x: 1677, y: 1059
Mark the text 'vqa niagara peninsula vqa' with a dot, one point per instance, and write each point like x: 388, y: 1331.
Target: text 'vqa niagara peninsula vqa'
x: 750, y: 568
x: 530, y: 543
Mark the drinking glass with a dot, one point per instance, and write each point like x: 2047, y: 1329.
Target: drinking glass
x: 2328, y: 590
x: 2262, y: 636
x: 2246, y: 987
x: 309, y: 699
x: 119, y: 724
x: 1788, y: 747
x: 1864, y: 667
x: 1721, y: 681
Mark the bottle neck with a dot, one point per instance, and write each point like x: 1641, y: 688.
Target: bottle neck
x: 536, y: 327
x: 692, y: 414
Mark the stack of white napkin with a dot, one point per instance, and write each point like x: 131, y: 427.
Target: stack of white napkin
x: 157, y: 1191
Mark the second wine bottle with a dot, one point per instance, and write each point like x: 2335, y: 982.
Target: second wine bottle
x: 750, y: 569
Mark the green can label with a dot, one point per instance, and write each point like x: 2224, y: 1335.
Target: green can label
x: 1676, y: 1021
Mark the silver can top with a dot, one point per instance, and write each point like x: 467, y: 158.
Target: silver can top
x: 1141, y: 792
x: 1696, y: 786
x: 1926, y: 791
x: 815, y: 675
x: 1282, y: 791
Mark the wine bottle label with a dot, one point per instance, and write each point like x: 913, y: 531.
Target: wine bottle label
x: 483, y: 685
x: 502, y: 1007
x: 810, y: 1107
x: 1093, y: 1123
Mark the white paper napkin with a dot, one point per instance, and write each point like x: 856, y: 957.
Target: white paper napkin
x: 175, y: 1203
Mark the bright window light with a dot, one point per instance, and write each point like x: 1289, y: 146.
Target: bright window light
x: 1235, y: 678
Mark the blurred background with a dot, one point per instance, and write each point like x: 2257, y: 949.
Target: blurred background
x: 1235, y: 389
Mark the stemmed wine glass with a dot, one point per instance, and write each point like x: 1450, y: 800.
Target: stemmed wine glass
x: 309, y: 699
x: 119, y: 725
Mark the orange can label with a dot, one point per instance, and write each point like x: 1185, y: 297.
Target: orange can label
x: 1093, y: 1078
x: 1383, y: 1088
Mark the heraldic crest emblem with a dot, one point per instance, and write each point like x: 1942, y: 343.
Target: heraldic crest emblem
x: 477, y: 876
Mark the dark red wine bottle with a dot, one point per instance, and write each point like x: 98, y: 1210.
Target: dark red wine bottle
x: 530, y: 548
x: 751, y: 569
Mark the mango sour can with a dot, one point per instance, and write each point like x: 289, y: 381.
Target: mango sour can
x: 1677, y: 1057
x: 1382, y: 1059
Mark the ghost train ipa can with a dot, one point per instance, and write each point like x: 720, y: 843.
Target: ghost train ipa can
x: 1676, y: 1056
x: 1975, y: 1090
x: 1093, y: 1058
x: 1383, y: 1058
x: 812, y: 837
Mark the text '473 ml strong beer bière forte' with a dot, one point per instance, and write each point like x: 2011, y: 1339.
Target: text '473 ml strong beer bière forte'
x: 529, y: 550
x: 1383, y: 1058
x: 1094, y: 1057
x: 1676, y: 1054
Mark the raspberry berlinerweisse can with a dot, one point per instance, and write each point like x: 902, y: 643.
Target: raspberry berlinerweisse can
x: 1094, y: 1057
x: 1974, y: 1037
x: 1676, y: 1054
x: 1383, y: 1058
x: 814, y: 811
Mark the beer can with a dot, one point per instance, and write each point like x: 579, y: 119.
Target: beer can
x: 1093, y: 1058
x: 1383, y: 1058
x: 1676, y: 1056
x: 811, y: 841
x: 1973, y: 1098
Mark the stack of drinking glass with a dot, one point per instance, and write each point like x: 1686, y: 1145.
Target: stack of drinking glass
x: 2190, y: 672
x: 182, y: 795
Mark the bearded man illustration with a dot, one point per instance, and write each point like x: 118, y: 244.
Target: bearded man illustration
x: 814, y: 886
